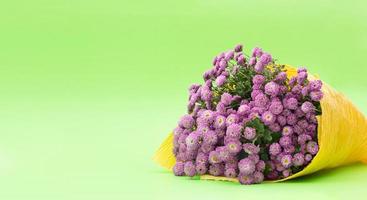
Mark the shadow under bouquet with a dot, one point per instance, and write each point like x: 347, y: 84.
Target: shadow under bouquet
x: 254, y: 120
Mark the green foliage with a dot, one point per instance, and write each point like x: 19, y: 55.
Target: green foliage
x: 239, y: 81
x: 263, y: 134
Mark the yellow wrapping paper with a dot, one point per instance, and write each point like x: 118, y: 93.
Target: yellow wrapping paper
x: 342, y: 136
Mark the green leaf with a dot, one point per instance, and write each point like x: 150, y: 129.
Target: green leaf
x: 276, y: 136
x: 264, y: 156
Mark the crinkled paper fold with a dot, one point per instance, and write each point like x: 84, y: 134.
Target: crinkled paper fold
x: 342, y: 136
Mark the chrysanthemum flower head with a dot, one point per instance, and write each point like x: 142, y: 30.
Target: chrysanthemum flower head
x: 286, y: 161
x: 312, y: 147
x: 189, y: 168
x: 246, y: 166
x: 268, y: 118
x: 272, y: 89
x: 249, y: 133
x: 187, y: 121
x: 275, y: 149
x: 214, y: 157
x: 234, y: 130
x: 287, y: 130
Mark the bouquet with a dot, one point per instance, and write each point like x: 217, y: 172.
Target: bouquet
x: 254, y: 119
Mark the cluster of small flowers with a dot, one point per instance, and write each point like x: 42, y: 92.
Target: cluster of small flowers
x: 270, y: 135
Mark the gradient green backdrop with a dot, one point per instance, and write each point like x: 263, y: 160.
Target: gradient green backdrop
x: 89, y: 89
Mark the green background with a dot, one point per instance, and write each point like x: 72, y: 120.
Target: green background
x: 89, y: 89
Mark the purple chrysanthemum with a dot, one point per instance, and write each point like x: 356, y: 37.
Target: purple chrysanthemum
x: 229, y: 55
x: 252, y: 61
x: 222, y: 63
x: 226, y: 98
x: 276, y: 108
x: 312, y: 147
x: 192, y: 141
x: 216, y: 169
x: 210, y: 137
x: 286, y: 160
x: 261, y: 100
x: 303, y: 123
x: 250, y: 148
x: 258, y: 177
x: 285, y: 141
x: 259, y: 110
x: 316, y: 95
x: 305, y: 90
x: 281, y: 77
x: 258, y: 79
x: 255, y: 92
x: 202, y: 158
x: 291, y: 119
x: 230, y: 172
x: 308, y: 157
x: 189, y: 168
x: 234, y: 130
x: 214, y: 157
x: 278, y: 165
x: 281, y: 120
x: 298, y: 129
x: 241, y: 60
x: 187, y: 121
x: 298, y: 159
x: 254, y: 157
x: 272, y: 89
x: 223, y: 153
x: 259, y: 67
x: 286, y: 173
x: 201, y: 169
x: 301, y: 77
x: 245, y: 179
x: 246, y: 166
x: 249, y: 133
x: 206, y: 148
x: 315, y: 85
x: 287, y: 130
x: 303, y: 138
x: 275, y: 127
x: 205, y: 94
x: 220, y: 133
x: 207, y: 75
x: 234, y: 146
x: 231, y: 163
x: 257, y: 52
x: 268, y: 118
x: 220, y: 80
x: 220, y: 122
x: 208, y: 116
x: 289, y: 149
x: 307, y: 107
x: 221, y: 108
x: 291, y: 103
x: 265, y: 58
x: 243, y: 110
x: 178, y: 169
x: 275, y: 149
x: 201, y: 130
x: 238, y: 48
x: 178, y: 131
x: 260, y: 166
x: 231, y: 119
x: 297, y: 90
